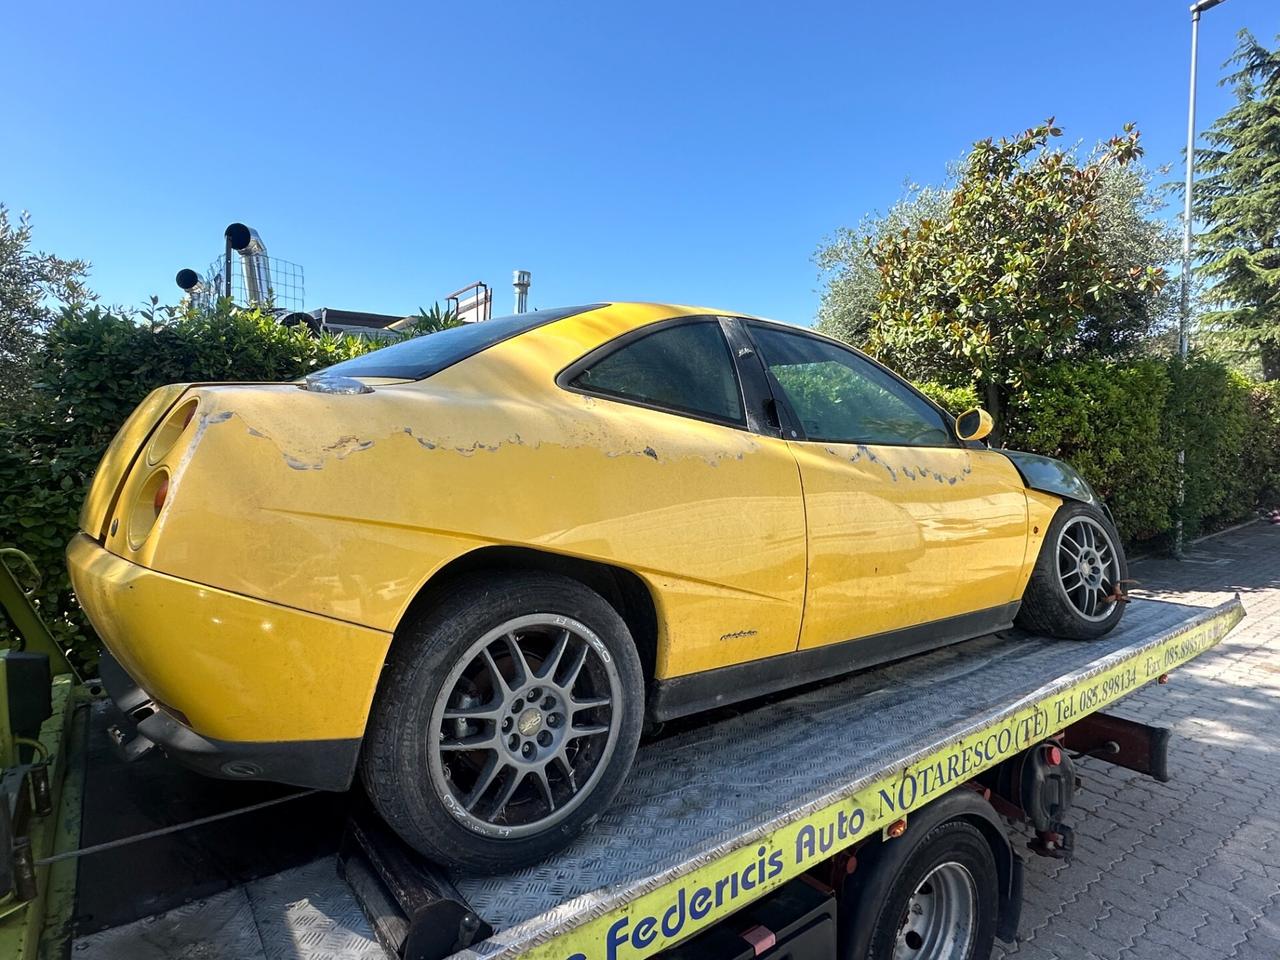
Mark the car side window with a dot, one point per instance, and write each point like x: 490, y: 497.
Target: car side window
x: 685, y: 368
x: 842, y: 397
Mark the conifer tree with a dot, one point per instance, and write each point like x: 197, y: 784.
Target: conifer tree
x: 1238, y: 203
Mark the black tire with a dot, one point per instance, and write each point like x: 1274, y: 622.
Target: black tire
x: 1047, y: 608
x: 878, y: 909
x: 397, y: 757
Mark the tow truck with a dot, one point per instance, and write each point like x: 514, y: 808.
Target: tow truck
x: 866, y: 817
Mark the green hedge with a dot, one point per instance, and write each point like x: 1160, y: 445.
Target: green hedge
x: 94, y: 368
x: 1107, y: 420
x: 955, y: 399
x: 1121, y: 424
x: 1262, y: 446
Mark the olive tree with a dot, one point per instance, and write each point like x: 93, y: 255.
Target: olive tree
x: 33, y: 286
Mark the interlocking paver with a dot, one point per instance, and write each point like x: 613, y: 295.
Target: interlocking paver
x: 1188, y: 870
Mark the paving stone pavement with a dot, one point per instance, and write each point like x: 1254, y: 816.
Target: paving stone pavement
x: 1190, y: 869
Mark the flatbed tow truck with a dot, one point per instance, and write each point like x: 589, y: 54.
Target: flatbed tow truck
x: 863, y: 817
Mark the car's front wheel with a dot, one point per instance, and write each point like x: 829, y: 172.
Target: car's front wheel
x: 506, y: 721
x: 1075, y: 588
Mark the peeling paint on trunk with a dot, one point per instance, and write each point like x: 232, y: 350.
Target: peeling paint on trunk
x: 421, y: 441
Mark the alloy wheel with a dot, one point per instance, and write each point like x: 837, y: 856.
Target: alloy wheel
x: 1088, y: 567
x: 524, y: 725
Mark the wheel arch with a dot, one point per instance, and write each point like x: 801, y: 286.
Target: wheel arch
x: 880, y: 859
x: 971, y: 806
x: 621, y: 588
x: 1055, y: 477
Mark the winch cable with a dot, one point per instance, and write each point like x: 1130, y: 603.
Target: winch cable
x: 174, y: 828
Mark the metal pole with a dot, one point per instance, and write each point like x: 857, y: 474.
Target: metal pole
x: 1184, y: 318
x: 1184, y: 312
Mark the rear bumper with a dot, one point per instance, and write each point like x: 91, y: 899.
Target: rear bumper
x: 241, y: 687
x: 323, y: 764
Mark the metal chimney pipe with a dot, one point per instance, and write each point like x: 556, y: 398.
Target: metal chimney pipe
x: 189, y: 281
x: 520, y: 280
x: 253, y: 256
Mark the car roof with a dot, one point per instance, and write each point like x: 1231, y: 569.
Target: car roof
x: 423, y: 357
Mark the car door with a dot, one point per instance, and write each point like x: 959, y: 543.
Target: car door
x: 907, y: 526
x: 690, y: 494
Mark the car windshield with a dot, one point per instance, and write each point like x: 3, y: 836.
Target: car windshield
x: 421, y: 357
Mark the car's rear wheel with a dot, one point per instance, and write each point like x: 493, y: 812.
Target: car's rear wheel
x: 1075, y: 587
x: 506, y: 721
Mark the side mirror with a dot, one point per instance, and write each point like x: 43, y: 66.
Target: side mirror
x: 974, y: 424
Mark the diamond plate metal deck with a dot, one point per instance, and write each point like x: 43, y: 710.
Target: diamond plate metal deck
x: 310, y: 914
x: 692, y: 797
x: 307, y: 913
x: 217, y: 926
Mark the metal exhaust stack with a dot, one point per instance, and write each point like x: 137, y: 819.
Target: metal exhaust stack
x: 520, y: 279
x: 253, y: 256
x: 189, y: 282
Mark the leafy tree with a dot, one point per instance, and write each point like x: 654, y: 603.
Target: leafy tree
x: 32, y: 284
x: 1238, y: 200
x: 850, y: 274
x: 1031, y: 254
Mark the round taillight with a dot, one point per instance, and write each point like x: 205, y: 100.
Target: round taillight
x: 147, y: 504
x: 172, y: 428
x: 162, y: 492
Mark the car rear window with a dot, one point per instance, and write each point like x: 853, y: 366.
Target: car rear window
x: 421, y: 357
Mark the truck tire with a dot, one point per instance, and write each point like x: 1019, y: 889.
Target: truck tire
x: 1071, y: 593
x: 930, y: 897
x: 506, y: 720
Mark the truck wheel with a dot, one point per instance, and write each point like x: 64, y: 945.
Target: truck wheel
x: 934, y: 899
x: 1072, y: 588
x: 505, y: 722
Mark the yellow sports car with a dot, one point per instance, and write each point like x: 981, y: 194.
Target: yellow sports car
x: 472, y: 565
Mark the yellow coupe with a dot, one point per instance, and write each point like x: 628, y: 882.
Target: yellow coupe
x: 473, y: 564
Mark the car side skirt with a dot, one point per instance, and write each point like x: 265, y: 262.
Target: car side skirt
x: 693, y: 693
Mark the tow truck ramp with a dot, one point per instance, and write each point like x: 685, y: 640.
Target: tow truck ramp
x: 717, y: 814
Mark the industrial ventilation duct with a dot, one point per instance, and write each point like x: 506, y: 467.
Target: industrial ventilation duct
x: 190, y: 283
x: 253, y: 257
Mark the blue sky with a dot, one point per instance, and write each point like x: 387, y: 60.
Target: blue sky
x: 667, y: 151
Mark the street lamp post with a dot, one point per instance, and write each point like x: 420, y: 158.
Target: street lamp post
x: 1184, y: 313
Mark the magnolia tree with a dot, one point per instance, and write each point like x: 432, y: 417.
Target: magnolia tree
x: 1030, y: 254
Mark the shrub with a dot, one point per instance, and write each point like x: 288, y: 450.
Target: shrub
x: 1106, y: 419
x: 1210, y: 419
x: 955, y: 400
x: 93, y: 368
x: 1121, y: 424
x: 1262, y: 444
